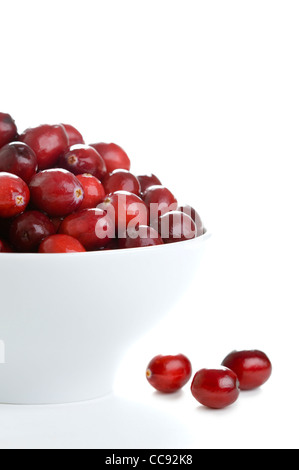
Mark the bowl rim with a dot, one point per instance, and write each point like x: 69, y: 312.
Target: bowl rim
x: 185, y: 243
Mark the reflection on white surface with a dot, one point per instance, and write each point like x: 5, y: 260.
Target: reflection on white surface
x: 108, y: 423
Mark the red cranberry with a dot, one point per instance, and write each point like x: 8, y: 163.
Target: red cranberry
x: 139, y: 237
x: 81, y: 159
x: 4, y: 247
x: 19, y: 159
x: 126, y: 209
x: 253, y: 368
x: 114, y: 156
x: 73, y: 134
x: 14, y: 195
x: 122, y: 180
x: 29, y: 229
x: 176, y: 227
x: 48, y: 143
x: 57, y: 221
x: 194, y: 216
x: 92, y: 227
x: 8, y: 129
x: 169, y: 373
x: 56, y: 192
x: 215, y: 388
x: 61, y: 244
x: 159, y: 201
x: 94, y: 191
x: 146, y: 181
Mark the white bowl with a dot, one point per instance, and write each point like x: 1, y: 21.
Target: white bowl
x: 66, y: 320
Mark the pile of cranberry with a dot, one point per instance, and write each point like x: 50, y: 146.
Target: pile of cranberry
x: 58, y: 195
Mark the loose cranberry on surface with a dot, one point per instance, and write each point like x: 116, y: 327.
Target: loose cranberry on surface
x: 92, y: 227
x: 186, y: 209
x: 215, y: 388
x: 159, y: 201
x: 143, y: 236
x: 73, y: 134
x: 253, y: 368
x: 94, y: 191
x: 126, y: 209
x: 114, y: 156
x: 61, y: 244
x: 8, y: 129
x: 48, y: 143
x: 29, y: 229
x: 4, y: 247
x: 19, y: 159
x: 81, y: 159
x: 146, y: 181
x: 176, y: 227
x: 122, y: 180
x: 14, y: 195
x: 169, y: 374
x: 56, y: 192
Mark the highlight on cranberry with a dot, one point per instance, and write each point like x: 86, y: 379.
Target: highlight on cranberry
x: 60, y: 195
x: 168, y: 374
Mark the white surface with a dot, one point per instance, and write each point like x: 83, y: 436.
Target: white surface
x: 205, y: 94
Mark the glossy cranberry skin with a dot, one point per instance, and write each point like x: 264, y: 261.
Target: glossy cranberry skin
x: 126, y: 209
x: 94, y: 191
x: 186, y: 209
x: 14, y: 195
x: 61, y: 244
x: 146, y: 181
x: 114, y: 156
x: 253, y: 368
x: 85, y: 226
x: 8, y: 129
x: 143, y: 236
x: 169, y: 374
x: 19, y: 159
x: 29, y: 229
x: 215, y: 388
x: 159, y: 201
x: 80, y: 159
x: 56, y: 192
x: 48, y: 143
x: 176, y: 227
x: 4, y: 247
x: 73, y: 135
x: 122, y: 180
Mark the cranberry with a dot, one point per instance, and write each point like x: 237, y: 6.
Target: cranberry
x: 14, y: 195
x: 253, y: 368
x: 194, y: 216
x: 176, y: 227
x: 4, y: 247
x: 56, y: 192
x: 48, y: 143
x: 122, y: 180
x: 146, y: 181
x: 92, y: 227
x: 81, y: 159
x: 19, y: 159
x: 57, y: 221
x: 143, y: 236
x: 159, y: 200
x: 29, y: 229
x: 94, y: 191
x: 61, y: 244
x: 215, y: 388
x: 114, y: 156
x: 169, y: 373
x: 126, y: 209
x: 73, y: 135
x: 8, y: 129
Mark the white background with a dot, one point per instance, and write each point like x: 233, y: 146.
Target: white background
x: 206, y: 95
